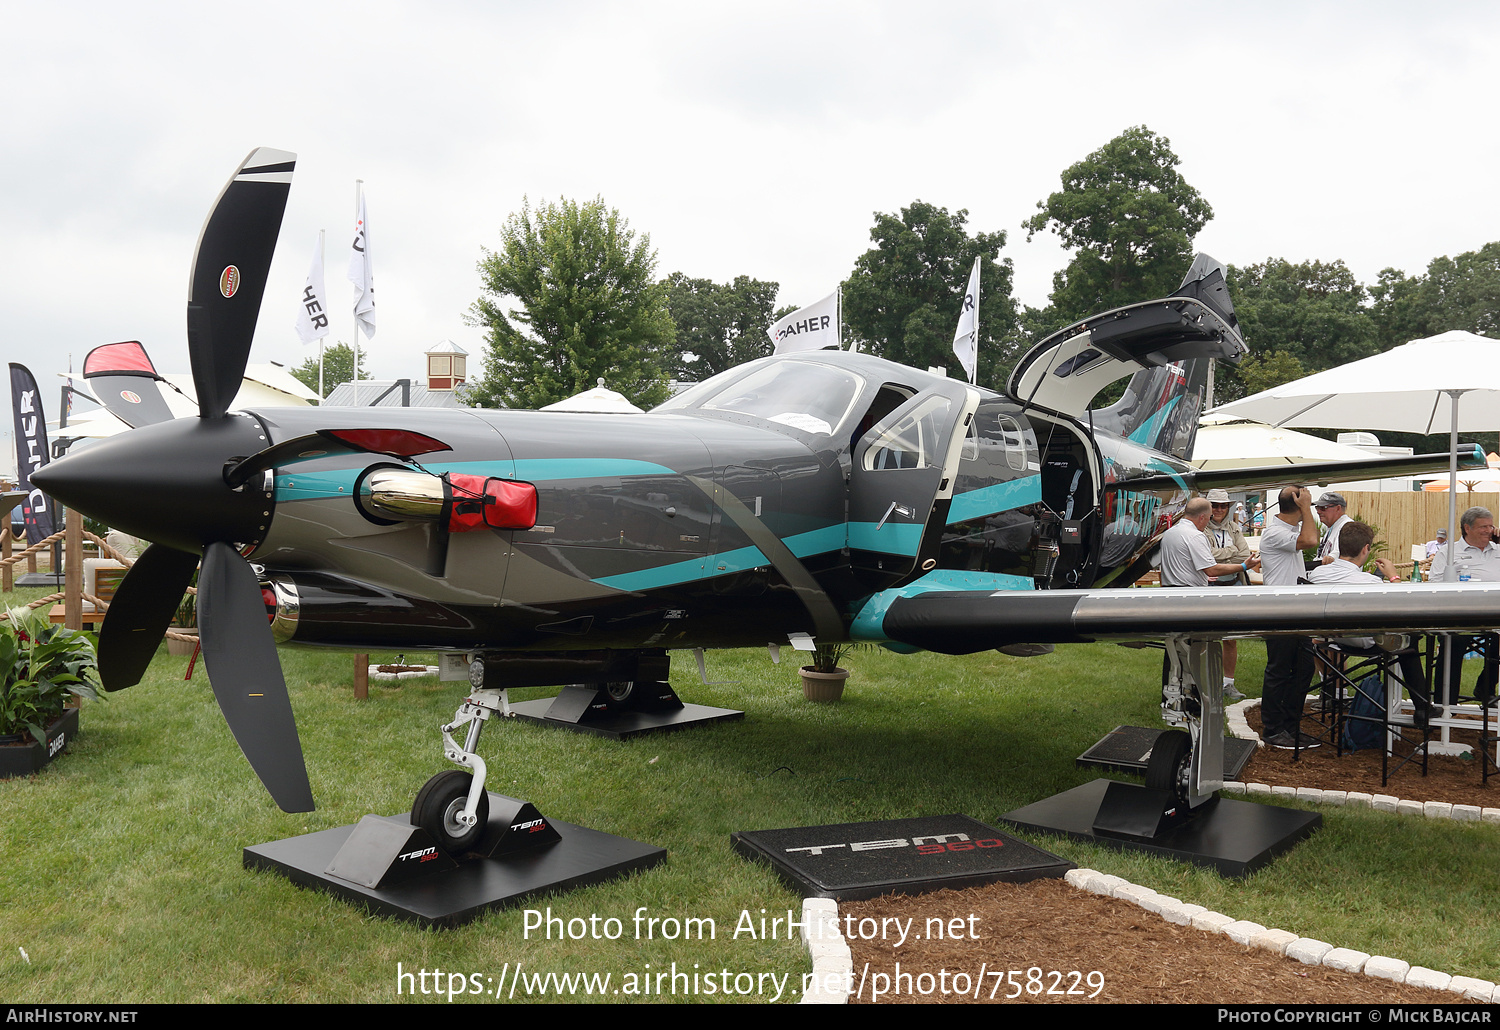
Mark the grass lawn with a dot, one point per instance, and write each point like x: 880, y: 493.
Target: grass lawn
x: 122, y: 863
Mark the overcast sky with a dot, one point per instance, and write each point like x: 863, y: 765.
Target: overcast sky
x: 754, y: 139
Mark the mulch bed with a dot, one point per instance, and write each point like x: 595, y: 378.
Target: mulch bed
x: 1449, y: 778
x: 1051, y: 926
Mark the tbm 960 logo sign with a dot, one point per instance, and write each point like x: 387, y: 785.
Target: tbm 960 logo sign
x: 934, y: 844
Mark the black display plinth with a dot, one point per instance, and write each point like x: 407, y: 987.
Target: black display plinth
x: 854, y: 861
x: 651, y: 708
x: 1126, y: 749
x: 1233, y: 837
x: 449, y: 893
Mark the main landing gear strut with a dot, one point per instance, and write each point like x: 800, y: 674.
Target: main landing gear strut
x: 1191, y: 765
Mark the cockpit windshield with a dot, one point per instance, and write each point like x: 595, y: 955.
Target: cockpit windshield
x: 806, y: 396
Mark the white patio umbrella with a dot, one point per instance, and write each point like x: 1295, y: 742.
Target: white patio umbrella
x: 1452, y: 380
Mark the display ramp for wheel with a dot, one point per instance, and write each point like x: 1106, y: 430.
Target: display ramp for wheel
x: 620, y: 710
x: 394, y: 867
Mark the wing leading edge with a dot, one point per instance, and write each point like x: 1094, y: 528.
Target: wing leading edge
x: 963, y: 622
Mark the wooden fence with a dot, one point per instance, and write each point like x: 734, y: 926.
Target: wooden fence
x: 1410, y: 518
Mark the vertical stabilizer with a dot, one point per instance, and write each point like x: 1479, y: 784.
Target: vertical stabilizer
x: 1161, y: 405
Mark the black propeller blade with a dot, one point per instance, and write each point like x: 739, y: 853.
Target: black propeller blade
x: 229, y: 275
x: 180, y: 464
x: 246, y: 675
x: 144, y: 603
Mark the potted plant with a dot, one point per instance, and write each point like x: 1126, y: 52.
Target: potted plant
x: 823, y: 680
x: 42, y: 666
x: 185, y: 622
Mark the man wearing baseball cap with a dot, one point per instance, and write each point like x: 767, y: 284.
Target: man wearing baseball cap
x: 1332, y: 511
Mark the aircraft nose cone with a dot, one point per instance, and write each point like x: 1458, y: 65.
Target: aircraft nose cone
x: 165, y: 482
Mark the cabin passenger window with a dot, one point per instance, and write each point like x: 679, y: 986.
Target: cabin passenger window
x: 1015, y: 443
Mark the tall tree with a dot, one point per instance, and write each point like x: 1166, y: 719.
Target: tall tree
x: 718, y: 327
x: 1130, y: 216
x: 1308, y: 317
x: 906, y: 293
x: 1460, y: 292
x: 590, y: 307
x: 338, y: 367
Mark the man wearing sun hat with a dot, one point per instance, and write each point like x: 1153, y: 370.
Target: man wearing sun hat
x: 1226, y: 542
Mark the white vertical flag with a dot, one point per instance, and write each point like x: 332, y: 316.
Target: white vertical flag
x: 966, y: 337
x: 811, y: 328
x: 312, y: 320
x: 361, y: 274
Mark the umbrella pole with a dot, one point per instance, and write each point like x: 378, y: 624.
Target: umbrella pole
x: 1450, y: 571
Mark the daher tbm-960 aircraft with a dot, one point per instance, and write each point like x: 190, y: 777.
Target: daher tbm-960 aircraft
x: 817, y: 497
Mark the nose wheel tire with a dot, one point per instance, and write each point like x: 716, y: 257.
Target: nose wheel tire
x: 1167, y: 768
x: 438, y: 806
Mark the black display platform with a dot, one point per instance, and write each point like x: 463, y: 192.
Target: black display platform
x: 854, y: 861
x: 1233, y: 837
x: 622, y: 724
x: 462, y: 894
x: 1126, y: 748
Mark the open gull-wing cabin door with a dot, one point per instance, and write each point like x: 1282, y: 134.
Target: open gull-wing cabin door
x: 901, y: 483
x: 1164, y: 345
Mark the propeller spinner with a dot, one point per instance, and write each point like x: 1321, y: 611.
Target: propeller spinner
x: 182, y: 464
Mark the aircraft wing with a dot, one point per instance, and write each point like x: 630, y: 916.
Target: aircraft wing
x: 1271, y: 477
x: 966, y: 621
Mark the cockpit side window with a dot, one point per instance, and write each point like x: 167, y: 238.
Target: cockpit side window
x: 912, y: 441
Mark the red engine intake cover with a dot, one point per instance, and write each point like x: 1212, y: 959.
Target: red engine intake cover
x: 477, y: 502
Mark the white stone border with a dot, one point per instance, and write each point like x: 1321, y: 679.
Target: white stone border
x: 1306, y: 950
x: 1353, y: 798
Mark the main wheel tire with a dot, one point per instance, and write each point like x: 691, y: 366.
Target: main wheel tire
x: 438, y: 805
x: 619, y: 692
x: 1167, y: 768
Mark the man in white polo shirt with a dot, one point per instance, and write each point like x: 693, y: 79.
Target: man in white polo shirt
x: 1187, y: 562
x: 1289, y: 660
x: 1355, y: 540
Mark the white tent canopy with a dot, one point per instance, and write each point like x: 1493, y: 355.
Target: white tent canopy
x: 599, y: 400
x: 1224, y: 443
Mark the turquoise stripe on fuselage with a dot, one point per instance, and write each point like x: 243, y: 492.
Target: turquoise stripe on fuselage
x: 817, y: 541
x: 991, y: 500
x: 891, y: 538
